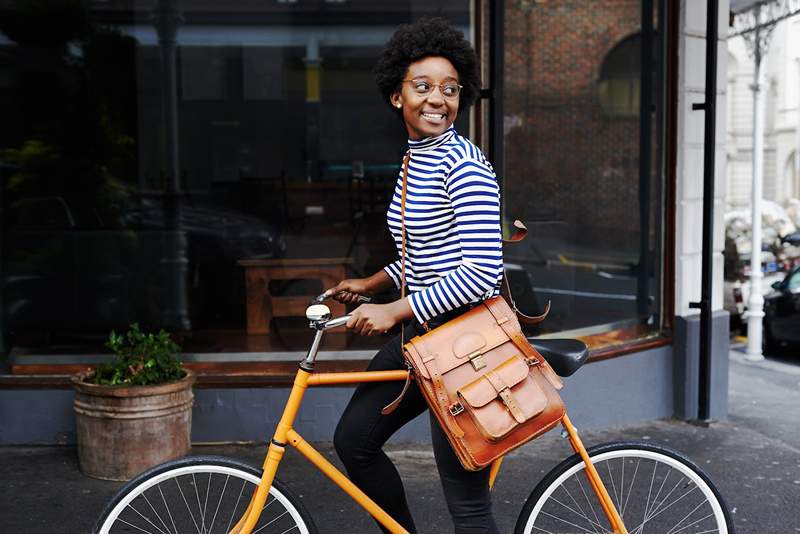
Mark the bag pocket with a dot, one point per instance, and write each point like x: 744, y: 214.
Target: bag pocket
x: 502, y: 399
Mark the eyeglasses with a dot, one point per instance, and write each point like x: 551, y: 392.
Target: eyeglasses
x: 449, y: 90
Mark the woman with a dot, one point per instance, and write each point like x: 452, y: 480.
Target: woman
x: 453, y: 259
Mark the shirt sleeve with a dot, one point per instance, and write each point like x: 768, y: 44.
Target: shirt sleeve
x: 472, y: 188
x: 393, y: 270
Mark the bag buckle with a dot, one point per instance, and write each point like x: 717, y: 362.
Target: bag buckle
x: 477, y: 360
x: 532, y: 362
x: 456, y: 408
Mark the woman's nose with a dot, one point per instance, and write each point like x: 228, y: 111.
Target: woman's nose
x: 436, y: 95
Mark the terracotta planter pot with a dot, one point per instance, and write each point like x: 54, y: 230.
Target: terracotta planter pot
x: 123, y: 430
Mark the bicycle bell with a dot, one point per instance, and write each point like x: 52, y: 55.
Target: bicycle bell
x: 317, y: 313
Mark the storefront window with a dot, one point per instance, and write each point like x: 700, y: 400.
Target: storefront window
x: 155, y: 156
x: 574, y: 153
x: 208, y: 167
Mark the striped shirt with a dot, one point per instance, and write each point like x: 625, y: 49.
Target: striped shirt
x: 454, y: 252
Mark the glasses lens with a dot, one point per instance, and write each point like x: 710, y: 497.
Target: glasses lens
x: 450, y: 91
x: 422, y: 88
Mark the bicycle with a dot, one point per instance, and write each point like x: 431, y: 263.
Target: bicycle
x: 209, y: 494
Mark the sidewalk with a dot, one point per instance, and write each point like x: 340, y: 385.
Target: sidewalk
x: 754, y: 458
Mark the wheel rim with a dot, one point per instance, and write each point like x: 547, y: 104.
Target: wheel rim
x: 654, y: 493
x: 201, y: 499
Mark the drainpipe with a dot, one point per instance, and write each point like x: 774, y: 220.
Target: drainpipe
x: 709, y: 148
x: 755, y: 302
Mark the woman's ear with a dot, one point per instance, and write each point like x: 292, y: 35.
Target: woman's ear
x: 396, y: 100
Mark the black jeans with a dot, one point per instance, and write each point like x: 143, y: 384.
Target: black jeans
x: 362, y: 431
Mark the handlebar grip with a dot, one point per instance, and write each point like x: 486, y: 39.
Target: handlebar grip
x: 339, y: 321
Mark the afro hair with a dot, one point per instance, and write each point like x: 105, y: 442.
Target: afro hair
x: 428, y: 37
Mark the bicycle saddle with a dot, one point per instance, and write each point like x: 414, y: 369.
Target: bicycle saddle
x: 565, y: 356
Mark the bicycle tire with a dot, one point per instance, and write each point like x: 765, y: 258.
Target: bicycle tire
x: 552, y: 507
x: 198, y: 485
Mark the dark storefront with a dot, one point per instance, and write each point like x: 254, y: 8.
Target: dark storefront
x: 155, y: 153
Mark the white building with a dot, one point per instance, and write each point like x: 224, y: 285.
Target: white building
x: 781, y: 133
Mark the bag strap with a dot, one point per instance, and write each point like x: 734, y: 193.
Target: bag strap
x: 520, y: 232
x: 439, y: 390
x: 406, y: 161
x: 392, y: 406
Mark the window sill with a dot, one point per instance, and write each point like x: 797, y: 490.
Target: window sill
x: 264, y: 370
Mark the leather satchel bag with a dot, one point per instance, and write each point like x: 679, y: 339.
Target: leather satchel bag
x: 490, y: 390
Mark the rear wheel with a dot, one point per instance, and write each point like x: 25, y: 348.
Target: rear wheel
x: 206, y: 494
x: 655, y: 489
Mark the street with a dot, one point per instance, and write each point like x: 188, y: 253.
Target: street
x: 753, y: 457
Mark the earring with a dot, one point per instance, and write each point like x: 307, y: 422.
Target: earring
x: 399, y: 105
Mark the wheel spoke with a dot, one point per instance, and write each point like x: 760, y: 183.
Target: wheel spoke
x: 590, y: 502
x: 582, y: 513
x: 659, y: 506
x: 236, y: 506
x: 166, y: 528
x: 146, y: 519
x: 199, y: 507
x: 582, y: 516
x: 613, y: 486
x: 166, y: 506
x: 219, y: 502
x: 205, y: 502
x: 630, y: 490
x: 621, y: 487
x: 693, y: 523
x: 188, y: 508
x: 562, y: 520
x: 667, y: 507
x: 271, y: 522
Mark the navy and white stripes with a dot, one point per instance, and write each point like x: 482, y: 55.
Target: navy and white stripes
x: 453, y: 238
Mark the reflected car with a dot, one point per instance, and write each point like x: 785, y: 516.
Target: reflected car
x: 782, y: 313
x: 69, y: 268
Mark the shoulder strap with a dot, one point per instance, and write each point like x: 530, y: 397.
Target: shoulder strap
x: 520, y: 231
x: 389, y: 408
x: 406, y: 160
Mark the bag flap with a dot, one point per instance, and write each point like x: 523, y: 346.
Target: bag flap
x: 468, y: 344
x: 453, y: 341
x: 480, y: 392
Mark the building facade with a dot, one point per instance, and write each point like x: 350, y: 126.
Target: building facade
x: 166, y: 162
x: 782, y: 118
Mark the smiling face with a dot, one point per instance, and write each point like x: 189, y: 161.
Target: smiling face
x: 432, y: 114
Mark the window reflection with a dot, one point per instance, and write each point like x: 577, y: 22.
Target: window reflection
x: 149, y: 151
x: 573, y: 172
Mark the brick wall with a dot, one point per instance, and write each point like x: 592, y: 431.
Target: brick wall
x: 565, y: 159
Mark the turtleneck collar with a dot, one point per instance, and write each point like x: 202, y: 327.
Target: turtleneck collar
x: 429, y: 143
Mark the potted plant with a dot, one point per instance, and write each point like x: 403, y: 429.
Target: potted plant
x: 136, y: 411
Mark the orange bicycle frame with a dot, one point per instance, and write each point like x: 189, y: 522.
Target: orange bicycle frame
x: 286, y: 435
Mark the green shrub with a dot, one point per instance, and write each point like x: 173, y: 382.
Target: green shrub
x: 141, y: 359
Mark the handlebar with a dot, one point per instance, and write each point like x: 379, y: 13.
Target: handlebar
x: 333, y: 323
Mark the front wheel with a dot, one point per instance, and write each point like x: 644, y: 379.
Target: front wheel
x: 206, y: 494
x: 654, y: 488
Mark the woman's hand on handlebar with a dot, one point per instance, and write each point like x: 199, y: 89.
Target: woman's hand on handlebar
x: 377, y: 319
x: 348, y: 291
x: 372, y: 319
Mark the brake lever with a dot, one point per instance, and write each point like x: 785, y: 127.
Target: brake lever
x: 319, y: 299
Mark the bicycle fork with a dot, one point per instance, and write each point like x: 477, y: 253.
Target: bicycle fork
x: 594, y: 478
